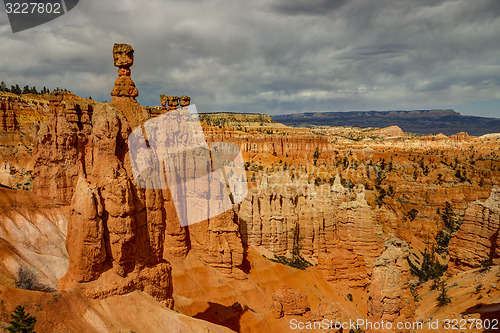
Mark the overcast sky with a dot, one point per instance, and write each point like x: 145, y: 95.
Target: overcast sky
x: 272, y: 56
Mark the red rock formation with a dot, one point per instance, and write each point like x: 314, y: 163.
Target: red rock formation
x: 218, y: 243
x: 390, y: 298
x: 123, y: 56
x: 290, y: 145
x: 461, y: 137
x: 288, y: 302
x: 124, y: 91
x: 478, y: 237
x: 118, y: 233
x: 7, y: 116
x: 338, y: 232
x: 61, y: 140
x: 184, y: 101
x: 355, y: 244
x: 341, y: 264
x: 173, y: 102
x: 164, y: 101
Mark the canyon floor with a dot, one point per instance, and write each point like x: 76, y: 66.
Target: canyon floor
x: 339, y: 224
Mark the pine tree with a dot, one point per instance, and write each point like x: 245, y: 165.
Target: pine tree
x: 316, y: 155
x: 443, y: 298
x: 16, y: 89
x: 431, y: 268
x: 3, y: 87
x: 21, y: 322
x: 447, y: 216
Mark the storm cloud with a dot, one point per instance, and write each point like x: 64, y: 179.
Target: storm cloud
x: 272, y: 57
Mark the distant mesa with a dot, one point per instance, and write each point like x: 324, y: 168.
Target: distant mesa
x: 447, y: 121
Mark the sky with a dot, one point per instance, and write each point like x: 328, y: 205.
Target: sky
x: 272, y: 56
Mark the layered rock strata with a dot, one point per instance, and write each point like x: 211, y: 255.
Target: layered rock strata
x: 292, y: 146
x: 7, y: 116
x: 337, y: 232
x: 477, y: 241
x: 62, y: 140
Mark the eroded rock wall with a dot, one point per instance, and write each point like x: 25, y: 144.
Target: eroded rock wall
x: 477, y: 240
x: 60, y: 149
x: 7, y: 117
x: 339, y: 233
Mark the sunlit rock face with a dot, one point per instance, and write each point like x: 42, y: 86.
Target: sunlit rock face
x: 7, y: 117
x: 477, y: 241
x: 390, y: 298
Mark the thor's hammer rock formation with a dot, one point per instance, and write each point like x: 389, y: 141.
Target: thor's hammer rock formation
x: 119, y: 234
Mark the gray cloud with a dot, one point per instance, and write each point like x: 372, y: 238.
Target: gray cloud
x: 309, y: 7
x: 273, y: 57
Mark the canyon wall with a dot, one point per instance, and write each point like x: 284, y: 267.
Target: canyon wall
x: 336, y: 229
x: 289, y: 145
x: 7, y: 117
x: 16, y: 111
x: 477, y: 241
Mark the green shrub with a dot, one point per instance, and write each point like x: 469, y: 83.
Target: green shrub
x: 486, y: 265
x: 479, y: 287
x: 297, y: 262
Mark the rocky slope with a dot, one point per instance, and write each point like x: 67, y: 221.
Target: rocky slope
x: 69, y: 311
x: 32, y: 236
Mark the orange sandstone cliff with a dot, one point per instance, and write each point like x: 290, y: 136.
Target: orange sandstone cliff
x: 477, y: 241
